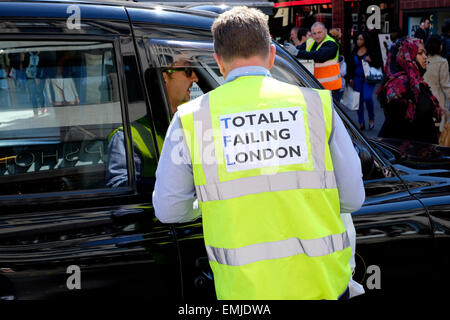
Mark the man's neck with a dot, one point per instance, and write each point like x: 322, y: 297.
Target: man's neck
x: 240, y: 63
x: 320, y: 41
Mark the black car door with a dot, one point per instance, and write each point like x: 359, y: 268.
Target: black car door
x: 394, y: 238
x: 153, y: 39
x: 76, y: 220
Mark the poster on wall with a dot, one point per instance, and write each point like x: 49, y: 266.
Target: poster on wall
x: 385, y: 44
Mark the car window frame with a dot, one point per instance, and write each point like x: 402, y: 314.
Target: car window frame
x: 85, y: 194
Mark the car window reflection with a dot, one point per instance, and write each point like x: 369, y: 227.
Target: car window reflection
x: 58, y: 103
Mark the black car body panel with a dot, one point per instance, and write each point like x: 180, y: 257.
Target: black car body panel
x: 112, y: 235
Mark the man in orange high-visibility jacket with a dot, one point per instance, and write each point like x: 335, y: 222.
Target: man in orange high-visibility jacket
x: 324, y: 50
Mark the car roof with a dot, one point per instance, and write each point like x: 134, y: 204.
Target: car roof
x: 123, y: 3
x: 170, y: 14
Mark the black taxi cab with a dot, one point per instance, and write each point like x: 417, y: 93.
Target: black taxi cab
x: 71, y: 74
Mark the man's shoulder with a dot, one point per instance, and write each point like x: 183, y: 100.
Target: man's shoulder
x: 420, y: 33
x: 272, y: 84
x: 190, y: 106
x: 329, y: 44
x: 116, y: 135
x: 290, y: 89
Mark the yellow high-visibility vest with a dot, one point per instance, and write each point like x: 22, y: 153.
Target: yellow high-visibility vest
x: 328, y: 73
x: 142, y: 137
x: 266, y: 187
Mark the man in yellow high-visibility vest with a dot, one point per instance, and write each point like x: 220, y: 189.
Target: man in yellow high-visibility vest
x: 178, y: 77
x: 324, y: 50
x: 270, y: 167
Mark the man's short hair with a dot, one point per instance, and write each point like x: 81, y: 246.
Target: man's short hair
x: 433, y: 45
x: 336, y: 34
x: 446, y: 26
x: 396, y: 29
x: 241, y: 32
x: 318, y: 24
x: 424, y: 19
x: 302, y: 32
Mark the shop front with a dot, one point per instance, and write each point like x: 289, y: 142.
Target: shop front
x: 288, y: 14
x: 436, y: 11
x: 350, y: 16
x: 377, y: 18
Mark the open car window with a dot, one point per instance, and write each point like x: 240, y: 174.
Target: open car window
x: 199, y: 56
x: 196, y: 55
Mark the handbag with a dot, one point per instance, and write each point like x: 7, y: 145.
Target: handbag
x: 31, y: 70
x: 372, y: 75
x: 375, y: 75
x: 350, y: 99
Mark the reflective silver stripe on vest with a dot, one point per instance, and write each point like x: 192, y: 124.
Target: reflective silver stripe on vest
x: 325, y: 64
x: 316, y: 124
x: 258, y: 184
x: 317, y: 179
x: 279, y: 249
x: 333, y: 78
x: 203, y: 127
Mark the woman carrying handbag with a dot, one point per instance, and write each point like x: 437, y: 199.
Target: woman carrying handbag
x: 363, y: 51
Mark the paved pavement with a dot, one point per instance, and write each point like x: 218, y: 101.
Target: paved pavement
x: 379, y: 117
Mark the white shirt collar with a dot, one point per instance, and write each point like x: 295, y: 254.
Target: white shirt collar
x: 247, y: 71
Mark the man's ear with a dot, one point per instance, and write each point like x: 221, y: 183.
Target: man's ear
x: 219, y: 63
x: 166, y: 78
x: 272, y: 54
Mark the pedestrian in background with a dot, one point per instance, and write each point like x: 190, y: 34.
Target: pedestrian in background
x: 395, y: 34
x: 336, y: 34
x: 445, y: 36
x: 363, y: 51
x: 293, y: 36
x: 298, y: 36
x: 324, y: 50
x: 423, y: 32
x: 303, y: 34
x: 437, y: 75
x: 409, y: 106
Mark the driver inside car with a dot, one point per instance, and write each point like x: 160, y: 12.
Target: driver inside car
x: 179, y: 77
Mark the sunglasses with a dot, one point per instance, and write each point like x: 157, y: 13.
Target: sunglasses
x: 188, y: 71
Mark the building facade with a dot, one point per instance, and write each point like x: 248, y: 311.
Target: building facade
x: 354, y: 16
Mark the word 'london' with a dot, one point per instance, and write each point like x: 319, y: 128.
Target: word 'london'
x: 239, y: 310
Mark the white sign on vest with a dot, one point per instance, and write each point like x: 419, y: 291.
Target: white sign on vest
x: 263, y: 138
